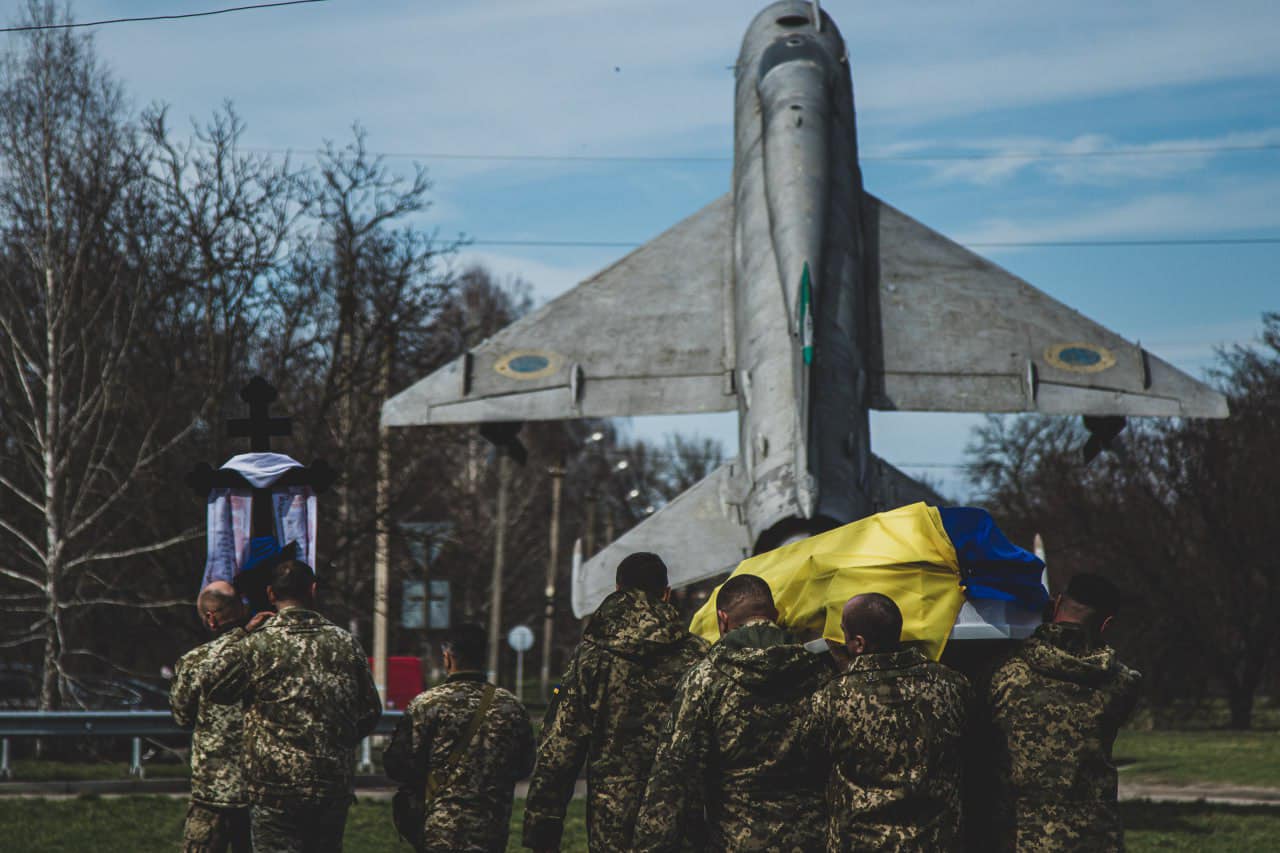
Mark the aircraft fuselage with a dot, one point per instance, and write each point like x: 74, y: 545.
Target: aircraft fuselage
x: 799, y: 276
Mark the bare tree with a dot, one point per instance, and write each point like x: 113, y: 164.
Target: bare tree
x: 1181, y: 514
x: 75, y: 279
x: 108, y: 233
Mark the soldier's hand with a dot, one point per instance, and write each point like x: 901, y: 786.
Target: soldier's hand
x: 256, y: 622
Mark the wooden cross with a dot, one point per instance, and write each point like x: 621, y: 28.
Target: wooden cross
x: 259, y: 426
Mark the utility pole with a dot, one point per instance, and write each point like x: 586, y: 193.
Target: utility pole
x: 499, y: 558
x: 382, y: 536
x: 553, y: 564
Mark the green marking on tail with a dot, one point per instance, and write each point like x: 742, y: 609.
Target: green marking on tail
x: 806, y: 316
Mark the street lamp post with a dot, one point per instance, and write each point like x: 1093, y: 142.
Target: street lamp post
x: 553, y: 565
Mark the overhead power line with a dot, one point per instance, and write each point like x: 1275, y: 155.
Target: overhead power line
x: 996, y: 244
x: 905, y: 158
x: 173, y: 17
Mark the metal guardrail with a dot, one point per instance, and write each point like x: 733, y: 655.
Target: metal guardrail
x: 134, y: 724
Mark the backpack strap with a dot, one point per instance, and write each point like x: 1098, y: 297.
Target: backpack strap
x: 437, y: 778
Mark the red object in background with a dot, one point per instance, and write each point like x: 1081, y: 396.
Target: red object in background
x: 404, y: 681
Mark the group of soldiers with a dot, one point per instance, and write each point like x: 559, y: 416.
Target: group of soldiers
x: 753, y: 743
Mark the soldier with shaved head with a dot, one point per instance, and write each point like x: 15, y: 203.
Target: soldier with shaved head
x: 609, y: 709
x: 892, y: 724
x: 218, y: 816
x: 735, y: 769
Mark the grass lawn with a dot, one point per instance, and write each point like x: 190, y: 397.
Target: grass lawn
x: 1199, y: 827
x: 1181, y: 757
x: 29, y: 770
x: 145, y: 824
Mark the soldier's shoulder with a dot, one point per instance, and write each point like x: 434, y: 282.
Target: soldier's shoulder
x: 1013, y: 670
x: 197, y: 656
x: 948, y: 675
x: 429, y: 701
x: 696, y: 645
x: 701, y: 677
x: 509, y: 702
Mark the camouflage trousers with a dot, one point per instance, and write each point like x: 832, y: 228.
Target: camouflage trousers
x: 208, y: 829
x: 300, y: 826
x: 1067, y: 828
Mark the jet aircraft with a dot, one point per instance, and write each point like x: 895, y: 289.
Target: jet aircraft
x: 802, y: 302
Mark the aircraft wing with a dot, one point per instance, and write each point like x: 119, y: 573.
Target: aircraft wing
x: 958, y: 333
x: 698, y: 535
x: 649, y: 335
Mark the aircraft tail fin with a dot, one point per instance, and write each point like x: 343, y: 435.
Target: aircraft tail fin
x: 699, y: 535
x: 894, y: 488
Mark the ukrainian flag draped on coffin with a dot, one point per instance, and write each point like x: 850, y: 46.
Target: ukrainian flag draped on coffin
x: 906, y: 554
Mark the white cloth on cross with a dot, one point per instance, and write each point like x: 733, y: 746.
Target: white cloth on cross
x: 230, y: 516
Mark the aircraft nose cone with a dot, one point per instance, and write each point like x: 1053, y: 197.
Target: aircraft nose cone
x: 793, y: 48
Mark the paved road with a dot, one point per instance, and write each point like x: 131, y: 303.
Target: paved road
x: 1209, y: 792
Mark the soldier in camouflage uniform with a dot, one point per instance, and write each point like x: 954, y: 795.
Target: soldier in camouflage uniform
x: 218, y: 817
x: 309, y: 699
x: 734, y: 770
x: 892, y: 725
x: 609, y: 710
x: 468, y: 806
x: 1055, y: 707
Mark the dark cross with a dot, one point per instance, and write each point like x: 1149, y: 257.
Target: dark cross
x: 259, y: 426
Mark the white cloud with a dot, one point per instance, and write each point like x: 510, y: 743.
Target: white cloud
x: 1087, y: 158
x: 1227, y: 205
x: 574, y: 76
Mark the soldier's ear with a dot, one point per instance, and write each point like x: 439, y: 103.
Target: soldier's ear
x: 1105, y: 624
x: 666, y: 594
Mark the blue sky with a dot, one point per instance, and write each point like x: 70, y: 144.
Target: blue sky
x: 650, y: 79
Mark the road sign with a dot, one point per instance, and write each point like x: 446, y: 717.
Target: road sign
x: 520, y: 638
x: 413, y: 605
x: 439, y: 605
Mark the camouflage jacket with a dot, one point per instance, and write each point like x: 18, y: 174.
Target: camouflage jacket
x: 308, y: 697
x: 608, y: 711
x: 893, y: 726
x: 1055, y: 707
x: 216, y: 778
x: 735, y: 769
x: 472, y: 808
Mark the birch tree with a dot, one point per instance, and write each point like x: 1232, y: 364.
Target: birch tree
x: 100, y: 382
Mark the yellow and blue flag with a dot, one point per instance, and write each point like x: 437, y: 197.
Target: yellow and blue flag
x: 922, y: 557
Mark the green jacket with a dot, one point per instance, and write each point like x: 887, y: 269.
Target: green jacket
x: 216, y: 742
x: 893, y: 725
x: 1055, y: 707
x: 735, y: 770
x: 309, y: 699
x: 608, y: 712
x: 471, y: 811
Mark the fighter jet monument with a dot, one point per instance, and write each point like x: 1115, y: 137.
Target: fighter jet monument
x: 801, y: 301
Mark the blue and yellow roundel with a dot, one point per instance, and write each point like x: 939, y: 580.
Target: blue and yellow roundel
x: 528, y: 364
x: 1080, y: 358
